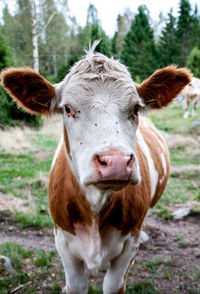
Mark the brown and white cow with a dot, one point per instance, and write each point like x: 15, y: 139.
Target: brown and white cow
x: 111, y: 165
x: 191, y: 94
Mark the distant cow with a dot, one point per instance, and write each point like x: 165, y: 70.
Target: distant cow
x: 191, y: 94
x: 111, y: 164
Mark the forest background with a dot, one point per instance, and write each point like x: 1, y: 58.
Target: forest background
x: 44, y: 36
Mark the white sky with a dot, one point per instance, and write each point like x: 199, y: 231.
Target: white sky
x: 109, y: 9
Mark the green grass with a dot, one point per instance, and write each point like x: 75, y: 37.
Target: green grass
x: 35, y: 266
x: 142, y: 287
x: 180, y: 189
x: 181, y: 156
x: 45, y: 142
x: 171, y: 120
x: 18, y: 176
x: 44, y: 271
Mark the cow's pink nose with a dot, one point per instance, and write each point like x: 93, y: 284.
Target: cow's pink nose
x: 114, y: 166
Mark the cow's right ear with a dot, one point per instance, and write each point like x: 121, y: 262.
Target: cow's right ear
x: 29, y: 89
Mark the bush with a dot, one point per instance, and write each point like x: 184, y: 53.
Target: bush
x: 64, y: 69
x: 10, y: 115
x: 193, y: 62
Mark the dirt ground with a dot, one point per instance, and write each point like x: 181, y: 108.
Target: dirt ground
x: 175, y: 263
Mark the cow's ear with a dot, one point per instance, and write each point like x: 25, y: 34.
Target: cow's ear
x: 163, y: 86
x: 29, y: 89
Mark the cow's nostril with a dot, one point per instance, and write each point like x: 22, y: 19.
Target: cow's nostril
x: 130, y: 160
x: 101, y: 161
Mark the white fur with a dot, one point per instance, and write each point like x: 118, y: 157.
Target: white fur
x: 114, y: 278
x: 191, y: 94
x: 57, y: 152
x: 88, y: 246
x: 152, y: 169
x: 103, y: 95
x: 164, y: 164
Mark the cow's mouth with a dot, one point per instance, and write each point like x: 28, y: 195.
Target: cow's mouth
x: 111, y: 184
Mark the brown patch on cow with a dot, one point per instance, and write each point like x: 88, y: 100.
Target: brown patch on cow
x: 29, y: 89
x: 67, y: 202
x: 126, y: 209
x: 163, y: 86
x: 66, y: 140
x: 151, y: 135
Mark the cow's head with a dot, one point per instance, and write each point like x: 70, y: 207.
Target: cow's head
x: 100, y: 105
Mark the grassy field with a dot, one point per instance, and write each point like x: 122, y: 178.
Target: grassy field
x: 25, y: 161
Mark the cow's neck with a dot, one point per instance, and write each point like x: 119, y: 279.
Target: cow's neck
x: 96, y: 198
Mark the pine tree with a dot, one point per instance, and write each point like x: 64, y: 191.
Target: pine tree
x: 193, y: 62
x: 93, y: 31
x: 195, y: 32
x: 184, y: 29
x: 123, y: 26
x: 168, y: 43
x: 140, y: 52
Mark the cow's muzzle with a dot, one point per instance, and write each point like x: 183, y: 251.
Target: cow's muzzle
x: 113, y: 167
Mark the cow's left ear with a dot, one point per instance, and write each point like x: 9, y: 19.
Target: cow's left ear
x: 29, y: 89
x: 163, y: 86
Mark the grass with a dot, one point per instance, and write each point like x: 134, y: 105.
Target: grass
x: 183, y: 184
x: 35, y: 266
x: 171, y: 120
x: 45, y: 273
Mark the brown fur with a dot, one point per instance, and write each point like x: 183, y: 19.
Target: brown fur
x: 66, y: 140
x: 67, y: 202
x: 150, y: 135
x: 125, y: 209
x: 29, y: 89
x: 163, y: 86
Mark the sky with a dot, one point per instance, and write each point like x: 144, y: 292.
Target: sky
x: 109, y: 9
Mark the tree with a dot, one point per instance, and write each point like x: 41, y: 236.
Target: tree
x: 195, y: 32
x: 54, y: 40
x: 168, y: 46
x: 17, y: 31
x: 193, y: 62
x: 123, y: 26
x: 140, y: 52
x: 184, y: 28
x: 93, y: 31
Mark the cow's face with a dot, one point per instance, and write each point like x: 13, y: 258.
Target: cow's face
x: 100, y: 104
x: 100, y: 108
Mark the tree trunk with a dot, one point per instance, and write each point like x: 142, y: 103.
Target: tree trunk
x: 35, y: 37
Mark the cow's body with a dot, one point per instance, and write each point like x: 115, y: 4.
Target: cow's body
x: 96, y: 238
x: 191, y: 95
x: 111, y: 165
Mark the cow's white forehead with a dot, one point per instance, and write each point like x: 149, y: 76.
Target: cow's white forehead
x: 96, y: 72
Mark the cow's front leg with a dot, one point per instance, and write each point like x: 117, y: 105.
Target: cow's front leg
x: 76, y: 280
x: 115, y: 278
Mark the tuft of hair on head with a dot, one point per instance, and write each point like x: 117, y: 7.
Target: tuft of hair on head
x: 91, y: 49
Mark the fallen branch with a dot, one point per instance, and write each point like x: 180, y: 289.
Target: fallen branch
x: 20, y: 287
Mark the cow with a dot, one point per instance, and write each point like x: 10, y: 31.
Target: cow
x: 191, y: 94
x: 111, y: 164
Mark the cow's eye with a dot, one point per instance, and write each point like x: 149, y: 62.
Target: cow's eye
x: 69, y: 110
x: 135, y: 110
